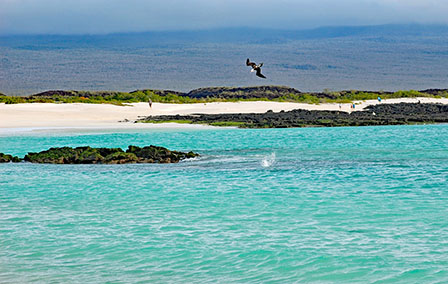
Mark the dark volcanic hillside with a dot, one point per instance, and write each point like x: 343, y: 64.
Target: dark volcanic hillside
x: 258, y: 92
x: 265, y: 92
x: 68, y: 94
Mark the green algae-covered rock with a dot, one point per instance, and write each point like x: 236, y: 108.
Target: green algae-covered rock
x: 4, y: 158
x: 89, y: 155
x: 62, y: 155
x: 121, y: 158
x: 156, y: 154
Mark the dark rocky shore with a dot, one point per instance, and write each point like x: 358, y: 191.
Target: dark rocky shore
x: 88, y: 155
x: 385, y: 114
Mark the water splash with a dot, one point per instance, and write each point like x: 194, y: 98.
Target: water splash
x: 268, y: 160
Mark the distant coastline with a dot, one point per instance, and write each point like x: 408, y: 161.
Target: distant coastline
x: 248, y: 107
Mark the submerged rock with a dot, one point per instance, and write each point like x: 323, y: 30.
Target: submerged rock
x: 89, y: 155
x: 5, y: 158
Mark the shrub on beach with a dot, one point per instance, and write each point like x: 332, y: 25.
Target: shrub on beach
x: 12, y: 100
x: 408, y: 94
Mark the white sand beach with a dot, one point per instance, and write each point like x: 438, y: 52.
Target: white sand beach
x: 46, y: 115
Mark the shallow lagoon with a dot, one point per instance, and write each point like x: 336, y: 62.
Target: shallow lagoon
x: 342, y: 204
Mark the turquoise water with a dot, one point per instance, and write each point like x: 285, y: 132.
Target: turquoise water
x: 319, y: 205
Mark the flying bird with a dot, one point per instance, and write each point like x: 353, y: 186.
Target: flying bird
x: 255, y: 68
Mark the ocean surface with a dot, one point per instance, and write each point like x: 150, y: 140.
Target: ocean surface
x: 310, y: 205
x: 388, y: 59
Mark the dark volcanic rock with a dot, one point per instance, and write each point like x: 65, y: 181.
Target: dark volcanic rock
x: 88, y: 155
x: 155, y: 154
x: 85, y: 94
x: 65, y: 155
x: 4, y: 158
x: 266, y: 92
x: 52, y: 93
x: 384, y: 114
x: 160, y: 92
x: 412, y: 112
x: 435, y: 92
x: 121, y: 158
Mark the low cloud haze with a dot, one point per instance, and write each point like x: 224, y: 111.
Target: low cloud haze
x: 109, y: 16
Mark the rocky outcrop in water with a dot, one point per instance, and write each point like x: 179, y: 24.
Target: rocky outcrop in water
x: 89, y: 155
x: 4, y: 158
x: 385, y: 114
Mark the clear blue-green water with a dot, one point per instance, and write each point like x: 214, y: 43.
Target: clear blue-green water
x: 322, y: 205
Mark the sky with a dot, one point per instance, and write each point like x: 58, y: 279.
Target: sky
x: 111, y: 16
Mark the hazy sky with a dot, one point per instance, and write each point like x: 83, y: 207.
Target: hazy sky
x: 106, y: 16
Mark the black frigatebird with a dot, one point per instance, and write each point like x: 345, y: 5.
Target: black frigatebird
x: 255, y: 68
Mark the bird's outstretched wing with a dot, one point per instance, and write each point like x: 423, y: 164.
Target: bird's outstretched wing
x: 248, y: 63
x: 261, y: 64
x: 259, y: 73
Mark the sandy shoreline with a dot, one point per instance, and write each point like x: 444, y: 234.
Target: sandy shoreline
x: 29, y: 117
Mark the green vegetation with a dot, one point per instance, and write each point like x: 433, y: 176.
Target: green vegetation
x: 216, y: 94
x: 302, y: 98
x: 350, y: 96
x: 166, y: 121
x: 116, y: 98
x: 167, y: 98
x: 227, y: 123
x: 12, y: 100
x: 185, y: 121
